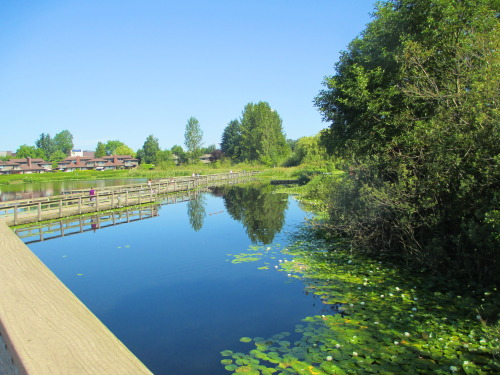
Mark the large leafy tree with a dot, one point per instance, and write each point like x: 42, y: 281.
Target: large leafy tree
x: 193, y: 139
x: 25, y: 151
x: 150, y: 149
x: 64, y: 141
x: 413, y: 108
x: 231, y: 139
x: 124, y: 150
x: 262, y: 137
x: 111, y: 147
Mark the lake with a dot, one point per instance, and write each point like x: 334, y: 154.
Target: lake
x: 47, y: 189
x: 191, y: 280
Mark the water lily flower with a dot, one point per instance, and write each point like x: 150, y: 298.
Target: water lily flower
x: 478, y: 317
x: 453, y: 369
x: 375, y: 322
x: 382, y: 296
x: 466, y: 363
x: 337, y: 346
x: 289, y: 275
x: 329, y: 358
x: 350, y: 261
x: 414, y: 309
x: 396, y: 342
x: 276, y: 267
x: 407, y: 334
x: 415, y: 299
x: 354, y: 354
x: 280, y: 261
x: 397, y: 288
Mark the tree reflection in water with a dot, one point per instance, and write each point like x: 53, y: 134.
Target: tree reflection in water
x: 196, y: 212
x: 260, y: 210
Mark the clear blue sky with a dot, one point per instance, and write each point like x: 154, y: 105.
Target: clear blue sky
x: 125, y: 69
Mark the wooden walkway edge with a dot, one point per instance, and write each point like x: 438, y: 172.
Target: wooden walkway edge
x: 46, y: 328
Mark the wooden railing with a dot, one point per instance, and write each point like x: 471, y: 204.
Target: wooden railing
x: 79, y: 202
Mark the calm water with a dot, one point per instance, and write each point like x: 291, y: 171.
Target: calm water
x: 167, y: 287
x: 46, y: 189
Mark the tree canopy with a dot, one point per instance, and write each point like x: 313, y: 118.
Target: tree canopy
x: 413, y: 108
x: 193, y: 138
x: 262, y: 137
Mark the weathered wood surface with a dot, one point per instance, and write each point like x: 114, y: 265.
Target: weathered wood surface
x: 40, y: 209
x: 46, y: 328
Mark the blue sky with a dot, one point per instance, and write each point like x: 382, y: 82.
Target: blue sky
x: 125, y: 69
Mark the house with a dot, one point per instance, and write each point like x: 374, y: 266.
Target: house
x: 24, y: 166
x: 75, y: 163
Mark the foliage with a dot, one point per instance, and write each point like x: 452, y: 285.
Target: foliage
x: 25, y: 151
x: 111, y: 147
x: 306, y: 150
x: 180, y: 153
x: 100, y: 150
x: 376, y: 319
x: 149, y: 150
x: 231, y: 139
x: 193, y: 139
x: 124, y: 150
x: 262, y: 137
x: 64, y: 142
x: 46, y: 144
x: 413, y: 108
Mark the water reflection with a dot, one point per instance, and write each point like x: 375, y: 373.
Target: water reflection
x: 261, y: 212
x: 47, y: 189
x: 196, y: 212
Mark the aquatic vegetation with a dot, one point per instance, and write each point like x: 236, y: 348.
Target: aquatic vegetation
x: 377, y: 320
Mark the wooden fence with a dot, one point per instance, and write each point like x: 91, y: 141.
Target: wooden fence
x: 79, y: 202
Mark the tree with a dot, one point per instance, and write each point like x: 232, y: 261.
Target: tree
x: 164, y: 159
x: 46, y: 144
x: 100, y: 150
x: 413, y: 106
x: 308, y: 149
x: 262, y: 137
x: 231, y: 139
x: 25, y: 151
x: 64, y: 142
x: 124, y: 150
x: 193, y: 137
x: 180, y: 153
x: 209, y: 149
x: 150, y: 149
x: 111, y: 147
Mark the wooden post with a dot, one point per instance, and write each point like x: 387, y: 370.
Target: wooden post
x: 39, y: 211
x: 126, y: 198
x: 96, y: 201
x: 15, y: 215
x: 112, y: 199
x: 60, y: 207
x: 79, y: 205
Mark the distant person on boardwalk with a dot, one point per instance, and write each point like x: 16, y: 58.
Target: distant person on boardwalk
x: 150, y: 181
x: 92, y: 194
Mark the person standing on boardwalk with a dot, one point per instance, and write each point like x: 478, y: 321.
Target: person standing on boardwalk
x: 92, y: 194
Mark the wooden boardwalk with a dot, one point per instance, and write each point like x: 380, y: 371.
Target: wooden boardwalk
x: 47, y: 208
x: 46, y: 328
